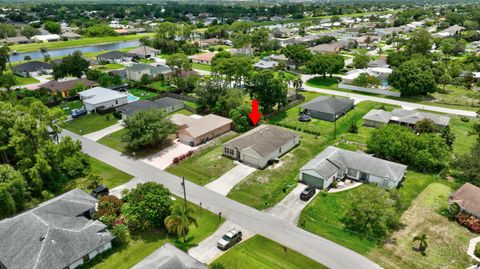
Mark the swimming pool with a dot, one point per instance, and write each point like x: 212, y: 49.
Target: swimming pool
x: 132, y: 98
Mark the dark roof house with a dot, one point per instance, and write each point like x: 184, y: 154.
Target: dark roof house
x: 327, y: 107
x: 28, y: 68
x: 115, y: 56
x: 58, y: 233
x: 168, y: 104
x: 65, y: 86
x: 169, y: 257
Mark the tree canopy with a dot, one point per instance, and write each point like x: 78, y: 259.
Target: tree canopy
x: 414, y: 77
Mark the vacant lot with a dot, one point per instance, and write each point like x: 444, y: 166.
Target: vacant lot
x: 323, y: 215
x: 261, y: 253
x: 447, y: 241
x: 206, y: 164
x: 90, y: 123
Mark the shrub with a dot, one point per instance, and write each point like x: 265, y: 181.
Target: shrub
x: 477, y: 250
x: 211, y: 49
x: 469, y: 221
x: 176, y: 160
x: 465, y: 119
x: 120, y: 231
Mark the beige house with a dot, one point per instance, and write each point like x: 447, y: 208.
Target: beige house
x: 204, y: 58
x: 260, y: 145
x: 194, y: 131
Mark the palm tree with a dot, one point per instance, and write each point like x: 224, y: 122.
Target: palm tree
x: 422, y: 246
x: 180, y: 219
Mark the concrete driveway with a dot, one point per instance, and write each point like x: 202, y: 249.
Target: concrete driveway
x: 291, y: 206
x: 207, y: 250
x: 227, y: 181
x: 164, y: 158
x: 95, y: 136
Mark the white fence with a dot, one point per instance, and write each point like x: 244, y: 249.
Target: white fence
x: 369, y: 90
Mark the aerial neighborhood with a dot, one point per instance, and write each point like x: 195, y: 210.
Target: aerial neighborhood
x: 245, y: 134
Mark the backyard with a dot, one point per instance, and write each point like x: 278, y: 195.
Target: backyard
x: 160, y: 86
x: 108, y: 67
x: 142, y: 94
x: 262, y: 253
x: 142, y: 245
x: 323, y: 215
x: 90, y: 123
x: 19, y: 81
x: 206, y: 164
x: 70, y: 105
x: 203, y: 67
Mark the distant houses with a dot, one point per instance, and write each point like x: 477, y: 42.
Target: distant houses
x: 137, y: 71
x: 32, y: 68
x: 70, y: 36
x: 332, y: 48
x: 337, y: 164
x: 327, y: 108
x: 102, y: 98
x: 194, y: 131
x: 59, y: 233
x: 261, y: 145
x: 379, y: 118
x: 46, y: 38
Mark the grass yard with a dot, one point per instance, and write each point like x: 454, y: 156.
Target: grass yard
x: 327, y: 83
x: 109, y: 66
x: 463, y: 141
x: 71, y: 105
x: 144, y: 244
x: 114, y: 141
x: 160, y: 86
x: 76, y: 43
x: 447, y: 241
x: 142, y: 94
x: 323, y: 215
x: 183, y: 112
x: 203, y: 67
x: 191, y: 104
x: 19, y: 81
x: 206, y: 164
x: 262, y: 253
x: 90, y: 123
x: 146, y: 61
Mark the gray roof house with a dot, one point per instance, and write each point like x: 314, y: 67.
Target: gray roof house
x: 167, y: 104
x: 327, y: 108
x: 145, y: 52
x: 32, y: 68
x: 468, y: 198
x: 136, y: 71
x: 116, y: 56
x: 377, y: 118
x: 56, y: 234
x: 335, y: 163
x: 169, y: 257
x: 260, y: 145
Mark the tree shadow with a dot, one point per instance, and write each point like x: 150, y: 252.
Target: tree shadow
x: 185, y: 246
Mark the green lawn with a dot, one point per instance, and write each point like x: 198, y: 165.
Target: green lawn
x: 144, y: 244
x: 142, y: 94
x: 76, y: 43
x: 206, y: 164
x: 183, y: 112
x: 327, y: 83
x: 160, y: 86
x: 90, y: 123
x: 463, y: 141
x: 447, y: 241
x: 19, y: 81
x: 114, y: 141
x: 259, y: 252
x: 204, y: 67
x: 146, y: 61
x: 191, y: 104
x: 71, y: 105
x: 109, y: 66
x: 323, y: 215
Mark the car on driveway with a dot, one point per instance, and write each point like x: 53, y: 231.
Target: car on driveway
x: 308, y: 193
x: 78, y: 112
x: 229, y: 239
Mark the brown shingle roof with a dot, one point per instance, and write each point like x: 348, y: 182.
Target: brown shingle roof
x: 64, y: 86
x: 468, y: 198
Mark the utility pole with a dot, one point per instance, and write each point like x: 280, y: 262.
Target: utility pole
x: 184, y: 192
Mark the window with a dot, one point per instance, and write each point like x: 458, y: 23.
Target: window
x: 229, y: 151
x: 116, y: 102
x: 280, y: 150
x: 352, y: 172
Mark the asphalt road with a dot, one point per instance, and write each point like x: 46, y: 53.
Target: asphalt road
x: 315, y: 247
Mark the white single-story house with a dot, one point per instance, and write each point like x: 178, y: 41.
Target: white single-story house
x: 59, y: 233
x: 145, y: 52
x: 194, y: 131
x: 32, y: 68
x: 262, y: 64
x: 260, y: 145
x: 116, y: 57
x: 378, y: 118
x: 46, y: 38
x: 102, y: 98
x: 335, y: 163
x: 381, y: 73
x: 136, y: 71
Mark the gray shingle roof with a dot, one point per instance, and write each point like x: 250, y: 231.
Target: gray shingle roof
x: 378, y: 115
x: 264, y: 139
x: 406, y: 116
x: 160, y: 69
x: 324, y: 164
x: 328, y: 104
x: 115, y: 55
x: 140, y: 105
x: 32, y: 66
x: 169, y: 257
x: 144, y: 50
x: 53, y: 235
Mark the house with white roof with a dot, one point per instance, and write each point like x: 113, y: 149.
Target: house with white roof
x: 102, y: 98
x: 46, y: 38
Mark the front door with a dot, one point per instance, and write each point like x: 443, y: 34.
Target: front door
x: 363, y: 176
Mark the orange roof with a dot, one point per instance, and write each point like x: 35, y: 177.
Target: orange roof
x: 204, y: 57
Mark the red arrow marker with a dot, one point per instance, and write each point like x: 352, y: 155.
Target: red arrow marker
x: 255, y: 115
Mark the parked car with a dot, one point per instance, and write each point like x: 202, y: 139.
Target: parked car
x: 229, y: 239
x: 308, y: 193
x: 78, y: 112
x: 304, y: 117
x: 301, y: 89
x: 100, y: 191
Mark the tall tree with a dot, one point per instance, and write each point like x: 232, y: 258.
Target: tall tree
x: 269, y: 89
x: 420, y: 42
x: 298, y: 54
x: 180, y: 219
x: 361, y: 60
x: 179, y: 62
x: 414, y: 77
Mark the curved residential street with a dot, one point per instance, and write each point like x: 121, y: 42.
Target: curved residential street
x: 315, y: 247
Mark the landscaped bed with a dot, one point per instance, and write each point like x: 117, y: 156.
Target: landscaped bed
x: 262, y: 253
x: 206, y: 164
x: 90, y: 123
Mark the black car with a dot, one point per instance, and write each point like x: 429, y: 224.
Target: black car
x: 308, y: 193
x: 100, y: 191
x: 78, y: 112
x: 272, y: 161
x: 304, y: 117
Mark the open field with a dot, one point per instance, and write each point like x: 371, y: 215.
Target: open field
x: 90, y: 123
x: 262, y: 253
x: 76, y: 43
x: 447, y: 241
x: 144, y: 244
x: 206, y: 164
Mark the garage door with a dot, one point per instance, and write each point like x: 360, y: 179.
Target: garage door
x: 250, y: 160
x: 312, y: 181
x: 185, y: 139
